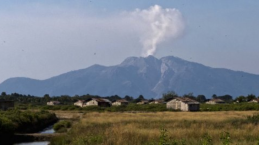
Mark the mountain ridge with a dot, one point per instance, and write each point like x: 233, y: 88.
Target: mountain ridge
x: 147, y: 76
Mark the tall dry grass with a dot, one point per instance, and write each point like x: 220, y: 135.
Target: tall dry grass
x: 145, y: 128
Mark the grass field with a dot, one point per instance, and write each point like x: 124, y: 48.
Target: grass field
x: 190, y: 128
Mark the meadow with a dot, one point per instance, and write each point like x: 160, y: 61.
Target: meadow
x: 163, y: 128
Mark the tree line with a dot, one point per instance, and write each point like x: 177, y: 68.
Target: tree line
x: 68, y: 100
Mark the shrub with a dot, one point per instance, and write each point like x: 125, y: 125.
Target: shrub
x: 62, y: 126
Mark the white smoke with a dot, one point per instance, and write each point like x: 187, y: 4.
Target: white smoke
x: 159, y: 25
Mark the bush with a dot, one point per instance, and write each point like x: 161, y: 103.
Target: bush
x: 24, y: 121
x: 62, y: 126
x: 6, y: 126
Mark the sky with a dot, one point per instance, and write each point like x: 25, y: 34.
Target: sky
x: 40, y: 39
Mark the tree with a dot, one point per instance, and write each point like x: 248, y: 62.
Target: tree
x: 214, y: 96
x: 201, y: 98
x: 169, y: 95
x: 250, y: 97
x: 46, y: 97
x: 241, y: 99
x: 3, y: 94
x: 189, y: 95
x: 140, y: 98
x: 128, y: 98
x: 226, y: 98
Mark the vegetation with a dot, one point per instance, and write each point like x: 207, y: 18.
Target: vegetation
x: 230, y: 107
x: 164, y: 128
x: 62, y: 126
x: 130, y: 107
x: 12, y: 121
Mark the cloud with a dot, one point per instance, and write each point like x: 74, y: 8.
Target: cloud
x: 158, y: 25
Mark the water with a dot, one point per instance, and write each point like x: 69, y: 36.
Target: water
x: 47, y: 130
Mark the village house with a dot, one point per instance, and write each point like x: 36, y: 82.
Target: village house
x: 120, y: 102
x: 183, y: 104
x: 93, y: 102
x: 143, y: 102
x: 52, y: 103
x: 80, y: 103
x: 160, y: 101
x: 215, y: 101
x: 254, y: 101
x: 98, y: 102
x: 4, y: 105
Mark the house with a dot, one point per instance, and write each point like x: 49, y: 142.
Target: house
x: 51, y: 103
x: 120, y: 102
x: 143, y: 102
x: 98, y: 102
x: 215, y: 101
x: 4, y: 105
x: 160, y: 101
x: 254, y: 101
x: 184, y: 104
x: 80, y: 103
x: 93, y: 102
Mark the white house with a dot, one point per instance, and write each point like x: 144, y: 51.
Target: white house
x: 184, y: 104
x: 215, y: 101
x: 53, y: 103
x: 120, y: 102
x: 93, y: 102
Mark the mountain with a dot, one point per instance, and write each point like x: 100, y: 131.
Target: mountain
x: 150, y: 77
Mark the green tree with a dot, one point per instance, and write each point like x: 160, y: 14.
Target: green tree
x: 140, y: 97
x: 46, y: 97
x: 169, y: 95
x: 3, y: 94
x: 250, y: 97
x: 214, y: 96
x: 241, y: 99
x: 201, y: 98
x: 128, y: 98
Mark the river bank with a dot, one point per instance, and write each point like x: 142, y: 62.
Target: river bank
x: 15, y: 125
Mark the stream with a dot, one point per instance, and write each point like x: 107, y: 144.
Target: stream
x: 48, y: 130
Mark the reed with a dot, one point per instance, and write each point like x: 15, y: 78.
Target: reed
x: 114, y: 128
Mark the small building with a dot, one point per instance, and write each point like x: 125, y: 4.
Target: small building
x: 80, y: 103
x: 143, y: 102
x: 183, y: 104
x: 98, y: 102
x: 4, y: 104
x: 254, y: 101
x: 215, y: 101
x: 159, y: 101
x: 93, y: 102
x: 52, y: 103
x: 120, y: 102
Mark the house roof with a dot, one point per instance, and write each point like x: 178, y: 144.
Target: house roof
x: 81, y: 101
x: 122, y: 101
x: 101, y: 100
x: 187, y: 100
x: 254, y: 100
x: 144, y: 101
x: 54, y: 101
x: 217, y: 100
x: 159, y: 101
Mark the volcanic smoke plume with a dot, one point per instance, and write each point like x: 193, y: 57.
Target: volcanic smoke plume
x: 159, y: 25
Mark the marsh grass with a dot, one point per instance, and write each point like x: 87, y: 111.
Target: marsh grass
x: 153, y: 128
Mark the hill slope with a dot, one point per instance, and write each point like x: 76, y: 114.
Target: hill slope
x: 148, y: 76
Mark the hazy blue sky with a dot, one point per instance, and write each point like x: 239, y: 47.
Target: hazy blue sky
x: 43, y: 38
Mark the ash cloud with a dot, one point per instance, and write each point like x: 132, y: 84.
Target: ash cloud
x: 159, y: 24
